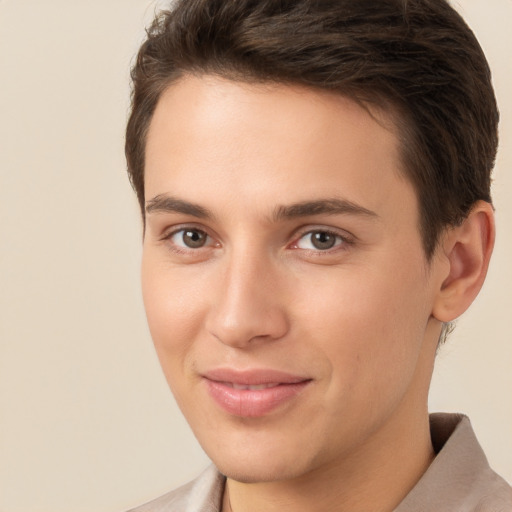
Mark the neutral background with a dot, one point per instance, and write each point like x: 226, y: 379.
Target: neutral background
x: 86, y: 420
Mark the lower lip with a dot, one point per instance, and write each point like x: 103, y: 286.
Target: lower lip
x: 249, y: 403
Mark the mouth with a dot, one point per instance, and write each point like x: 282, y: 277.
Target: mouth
x: 253, y: 393
x: 255, y: 387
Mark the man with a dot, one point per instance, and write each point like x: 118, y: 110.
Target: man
x: 314, y: 181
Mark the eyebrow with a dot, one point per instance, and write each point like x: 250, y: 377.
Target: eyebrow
x: 164, y: 203
x: 333, y: 206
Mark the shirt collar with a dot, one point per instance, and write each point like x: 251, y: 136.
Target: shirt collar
x: 456, y: 476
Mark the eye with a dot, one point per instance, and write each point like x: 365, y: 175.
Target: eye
x: 319, y: 240
x: 189, y: 238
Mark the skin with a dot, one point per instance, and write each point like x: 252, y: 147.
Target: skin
x: 361, y: 319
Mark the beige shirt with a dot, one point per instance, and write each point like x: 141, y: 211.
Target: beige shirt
x: 458, y: 480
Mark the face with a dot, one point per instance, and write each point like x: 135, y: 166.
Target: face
x: 284, y: 279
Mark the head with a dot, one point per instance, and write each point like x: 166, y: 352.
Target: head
x: 416, y: 60
x: 314, y: 180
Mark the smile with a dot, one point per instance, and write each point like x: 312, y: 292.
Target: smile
x: 255, y: 387
x: 253, y: 393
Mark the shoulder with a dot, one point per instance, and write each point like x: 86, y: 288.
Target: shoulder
x: 467, y: 470
x: 204, y: 494
x: 495, y: 494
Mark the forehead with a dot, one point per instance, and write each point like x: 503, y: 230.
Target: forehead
x: 267, y: 142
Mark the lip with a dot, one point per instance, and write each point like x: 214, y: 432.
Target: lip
x: 253, y: 393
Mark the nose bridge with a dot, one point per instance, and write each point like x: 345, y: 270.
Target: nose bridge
x: 247, y: 305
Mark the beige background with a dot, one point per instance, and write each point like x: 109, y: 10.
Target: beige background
x: 86, y: 421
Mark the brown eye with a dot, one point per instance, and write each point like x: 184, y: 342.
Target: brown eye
x: 323, y: 240
x: 190, y: 238
x: 319, y: 240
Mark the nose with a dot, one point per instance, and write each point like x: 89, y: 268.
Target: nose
x: 247, y: 308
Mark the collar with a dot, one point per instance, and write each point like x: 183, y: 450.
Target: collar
x: 459, y: 478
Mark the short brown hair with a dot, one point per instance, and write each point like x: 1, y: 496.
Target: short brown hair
x: 415, y: 58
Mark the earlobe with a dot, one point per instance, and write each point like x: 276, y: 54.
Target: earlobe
x: 467, y: 248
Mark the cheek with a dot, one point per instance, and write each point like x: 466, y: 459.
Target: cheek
x: 370, y: 327
x: 173, y: 309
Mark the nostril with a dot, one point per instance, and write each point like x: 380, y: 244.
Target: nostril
x: 245, y: 307
x: 248, y: 328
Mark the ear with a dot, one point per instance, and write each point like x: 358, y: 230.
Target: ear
x: 467, y: 249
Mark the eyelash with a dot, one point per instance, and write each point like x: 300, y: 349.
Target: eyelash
x: 342, y: 242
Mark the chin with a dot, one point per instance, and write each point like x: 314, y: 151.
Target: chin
x: 259, y: 462
x: 257, y: 473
